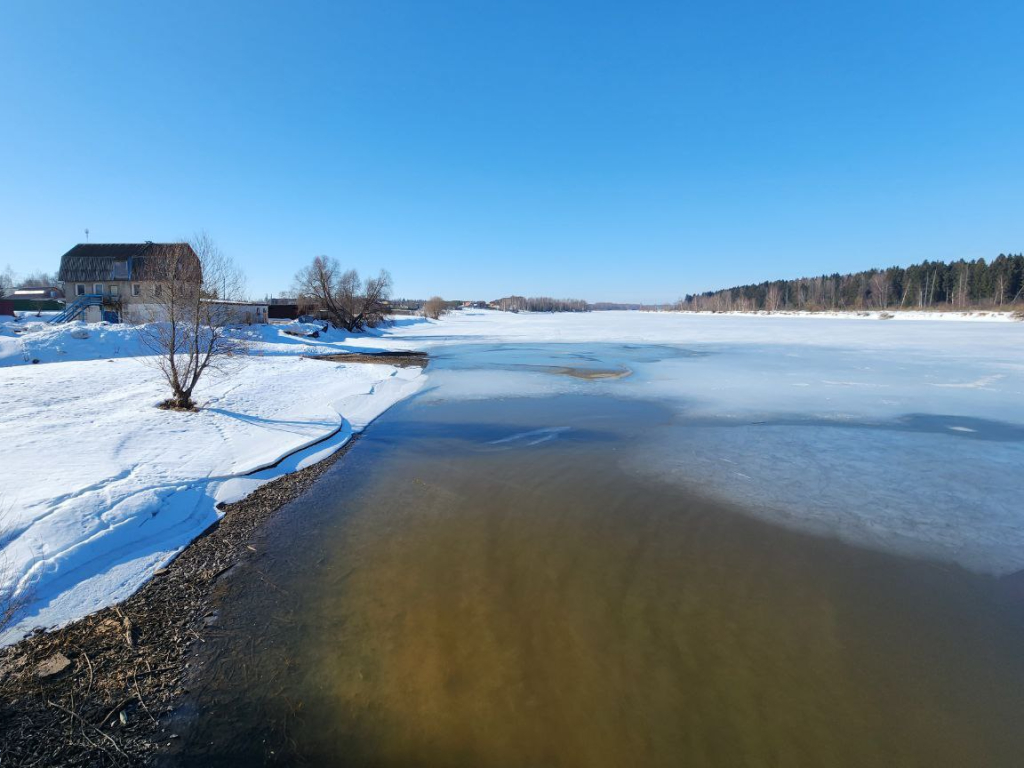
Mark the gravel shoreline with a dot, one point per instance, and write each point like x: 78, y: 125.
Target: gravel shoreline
x: 92, y: 693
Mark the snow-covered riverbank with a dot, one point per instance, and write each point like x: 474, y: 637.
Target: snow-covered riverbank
x: 969, y: 315
x: 100, y: 488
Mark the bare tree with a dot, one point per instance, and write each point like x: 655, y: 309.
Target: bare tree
x: 963, y: 284
x: 7, y: 280
x: 1000, y: 289
x: 39, y: 280
x: 880, y: 285
x: 435, y: 308
x: 348, y: 301
x: 187, y: 328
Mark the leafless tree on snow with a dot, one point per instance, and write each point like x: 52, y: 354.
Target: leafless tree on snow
x: 187, y: 329
x: 349, y: 302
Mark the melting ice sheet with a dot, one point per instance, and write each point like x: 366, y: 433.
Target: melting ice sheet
x: 533, y: 437
x: 916, y: 448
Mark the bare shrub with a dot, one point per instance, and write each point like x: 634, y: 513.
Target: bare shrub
x: 435, y: 308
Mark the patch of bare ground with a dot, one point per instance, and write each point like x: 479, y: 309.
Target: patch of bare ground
x: 402, y: 359
x: 593, y: 374
x: 93, y: 693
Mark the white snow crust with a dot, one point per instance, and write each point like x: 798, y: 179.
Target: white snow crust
x: 99, y: 487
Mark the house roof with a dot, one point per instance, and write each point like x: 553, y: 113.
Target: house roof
x: 237, y: 302
x: 99, y: 262
x: 36, y: 292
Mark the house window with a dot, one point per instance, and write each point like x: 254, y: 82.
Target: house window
x: 113, y: 289
x: 157, y: 289
x: 80, y: 289
x: 120, y: 271
x: 136, y: 289
x: 98, y: 289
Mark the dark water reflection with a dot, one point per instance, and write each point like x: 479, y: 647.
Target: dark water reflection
x: 448, y: 597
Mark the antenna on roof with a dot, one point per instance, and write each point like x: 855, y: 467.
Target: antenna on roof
x: 87, y: 234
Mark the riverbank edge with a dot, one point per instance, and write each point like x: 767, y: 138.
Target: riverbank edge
x: 93, y: 692
x: 892, y: 313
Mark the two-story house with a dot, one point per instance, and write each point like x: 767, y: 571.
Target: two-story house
x: 117, y: 273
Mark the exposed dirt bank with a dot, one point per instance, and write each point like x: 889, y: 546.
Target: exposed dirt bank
x: 93, y: 693
x: 402, y: 359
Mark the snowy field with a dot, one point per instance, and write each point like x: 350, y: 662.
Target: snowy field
x: 903, y: 435
x: 100, y: 488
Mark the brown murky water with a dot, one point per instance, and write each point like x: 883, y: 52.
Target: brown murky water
x: 482, y: 584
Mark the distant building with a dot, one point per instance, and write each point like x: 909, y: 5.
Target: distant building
x: 403, y: 307
x: 239, y: 312
x: 36, y: 293
x: 283, y: 308
x: 35, y: 298
x: 111, y: 281
x: 121, y: 282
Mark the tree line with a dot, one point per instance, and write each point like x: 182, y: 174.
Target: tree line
x: 540, y: 304
x: 976, y: 284
x: 9, y: 280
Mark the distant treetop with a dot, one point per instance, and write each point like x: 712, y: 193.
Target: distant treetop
x: 976, y: 284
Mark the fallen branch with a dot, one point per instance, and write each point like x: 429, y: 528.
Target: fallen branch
x: 79, y: 718
x: 128, y: 628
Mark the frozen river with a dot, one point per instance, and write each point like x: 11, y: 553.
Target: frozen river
x: 569, y: 553
x: 900, y: 435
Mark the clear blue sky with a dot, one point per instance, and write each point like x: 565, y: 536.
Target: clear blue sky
x: 607, y: 150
